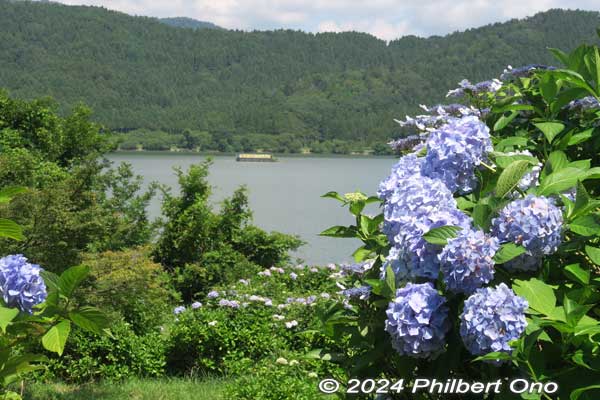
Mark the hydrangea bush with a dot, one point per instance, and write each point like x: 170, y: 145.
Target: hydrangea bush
x: 35, y: 304
x: 485, y: 259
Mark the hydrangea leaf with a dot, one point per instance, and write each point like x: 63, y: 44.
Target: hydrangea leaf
x: 513, y: 141
x: 539, y: 295
x: 504, y: 120
x: 339, y: 232
x: 510, y: 177
x: 593, y: 253
x: 10, y: 229
x: 507, y: 252
x: 560, y: 181
x: 89, y: 318
x: 581, y: 137
x: 557, y: 160
x: 441, y: 234
x: 6, y: 317
x: 575, y: 272
x: 8, y: 193
x: 54, y: 340
x: 586, y: 225
x: 575, y: 394
x: 550, y: 129
x: 71, y: 278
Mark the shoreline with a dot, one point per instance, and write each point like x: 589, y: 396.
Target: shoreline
x: 277, y: 155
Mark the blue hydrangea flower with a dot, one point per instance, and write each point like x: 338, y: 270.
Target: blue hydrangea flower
x: 407, y: 166
x: 178, y: 310
x: 406, y: 143
x: 533, y: 222
x: 20, y: 283
x: 357, y: 268
x: 455, y: 150
x: 511, y: 73
x: 213, y: 294
x: 229, y: 303
x: 361, y: 293
x: 467, y: 261
x: 417, y: 321
x: 491, y: 318
x: 584, y: 104
x: 413, y: 197
x: 466, y: 87
x: 196, y: 305
x: 414, y: 257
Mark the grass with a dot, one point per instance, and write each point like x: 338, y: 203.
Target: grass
x: 136, y: 389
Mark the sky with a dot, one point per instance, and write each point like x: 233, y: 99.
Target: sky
x: 386, y: 19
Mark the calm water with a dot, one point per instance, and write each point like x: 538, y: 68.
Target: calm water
x: 284, y: 196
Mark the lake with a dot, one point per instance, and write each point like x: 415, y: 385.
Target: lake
x: 284, y: 196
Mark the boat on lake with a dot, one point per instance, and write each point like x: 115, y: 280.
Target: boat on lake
x: 255, y: 157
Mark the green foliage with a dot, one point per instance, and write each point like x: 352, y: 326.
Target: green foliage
x: 269, y: 380
x: 128, y: 286
x: 204, y: 248
x: 197, y: 347
x: 122, y: 354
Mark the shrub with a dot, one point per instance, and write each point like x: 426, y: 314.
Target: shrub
x: 276, y: 378
x: 129, y: 286
x: 202, y: 340
x: 122, y: 354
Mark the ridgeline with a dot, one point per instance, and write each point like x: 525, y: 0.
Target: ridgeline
x: 260, y: 89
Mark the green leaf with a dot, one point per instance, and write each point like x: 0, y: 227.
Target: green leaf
x: 441, y: 235
x: 507, y: 252
x: 71, y: 278
x: 582, y: 197
x: 510, y: 177
x: 495, y: 356
x: 54, y: 340
x: 578, y: 274
x: 89, y: 318
x: 575, y: 394
x: 504, y: 120
x: 361, y: 254
x: 560, y: 181
x: 10, y: 229
x: 557, y: 160
x: 586, y: 225
x: 356, y: 207
x: 464, y: 204
x: 548, y: 87
x: 513, y: 141
x: 592, y: 173
x: 50, y: 279
x: 480, y: 215
x: 540, y: 296
x: 581, y: 137
x: 6, y: 317
x: 593, y: 253
x: 550, y: 129
x: 334, y: 195
x: 390, y: 280
x: 504, y: 161
x: 8, y: 193
x: 339, y: 232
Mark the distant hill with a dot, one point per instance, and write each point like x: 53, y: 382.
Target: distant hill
x: 137, y: 72
x: 184, y: 22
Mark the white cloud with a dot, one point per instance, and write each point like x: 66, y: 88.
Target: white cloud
x: 387, y: 19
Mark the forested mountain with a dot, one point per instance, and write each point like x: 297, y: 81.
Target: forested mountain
x: 136, y: 72
x: 183, y: 22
